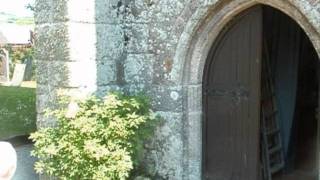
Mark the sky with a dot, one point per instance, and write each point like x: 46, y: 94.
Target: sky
x: 16, y: 7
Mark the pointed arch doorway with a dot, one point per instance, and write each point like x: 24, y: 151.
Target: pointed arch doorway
x: 232, y: 95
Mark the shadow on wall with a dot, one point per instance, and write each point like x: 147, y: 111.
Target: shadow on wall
x: 110, y: 46
x: 124, y: 60
x: 117, y: 62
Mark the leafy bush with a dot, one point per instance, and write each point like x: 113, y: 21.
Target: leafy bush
x: 103, y: 140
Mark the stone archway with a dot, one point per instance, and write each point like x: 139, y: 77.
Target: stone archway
x: 191, y: 55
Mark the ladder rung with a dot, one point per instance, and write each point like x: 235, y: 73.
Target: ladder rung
x: 275, y: 149
x: 273, y: 159
x: 273, y: 131
x: 276, y: 168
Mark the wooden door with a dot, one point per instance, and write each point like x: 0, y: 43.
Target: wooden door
x: 232, y: 101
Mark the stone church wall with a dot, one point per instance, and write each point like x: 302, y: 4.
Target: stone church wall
x: 159, y: 46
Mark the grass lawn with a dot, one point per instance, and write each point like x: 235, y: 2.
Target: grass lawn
x: 17, y: 111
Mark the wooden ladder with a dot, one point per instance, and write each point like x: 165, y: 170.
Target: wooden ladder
x: 271, y: 142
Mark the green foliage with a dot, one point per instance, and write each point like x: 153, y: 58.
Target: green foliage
x: 17, y: 111
x: 103, y: 140
x: 21, y: 55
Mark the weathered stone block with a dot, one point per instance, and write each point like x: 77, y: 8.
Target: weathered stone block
x: 103, y: 90
x: 110, y: 42
x: 164, y: 157
x: 194, y: 98
x: 44, y: 121
x: 50, y: 11
x: 46, y: 99
x: 166, y: 10
x: 137, y: 36
x: 139, y: 11
x: 53, y: 73
x: 138, y: 68
x: 193, y: 145
x: 106, y: 72
x: 109, y: 11
x: 166, y: 98
x: 51, y: 42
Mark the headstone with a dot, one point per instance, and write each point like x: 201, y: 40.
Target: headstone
x: 2, y: 69
x: 18, y: 74
x: 4, y: 66
x: 28, y: 71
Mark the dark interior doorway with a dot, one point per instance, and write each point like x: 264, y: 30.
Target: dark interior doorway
x: 232, y: 98
x: 294, y: 66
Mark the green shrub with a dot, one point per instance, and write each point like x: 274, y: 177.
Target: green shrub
x: 104, y: 139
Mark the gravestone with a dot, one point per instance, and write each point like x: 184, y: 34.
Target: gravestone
x: 4, y: 67
x: 28, y: 71
x: 18, y: 74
